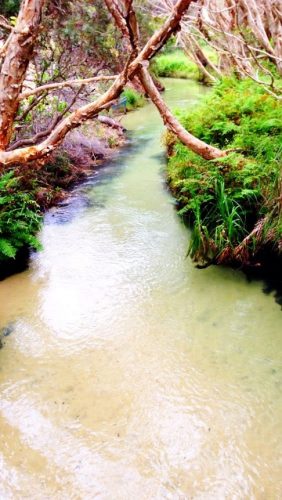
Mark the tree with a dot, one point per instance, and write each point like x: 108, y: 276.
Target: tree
x: 9, y: 7
x: 17, y: 53
x: 246, y: 36
x: 126, y: 21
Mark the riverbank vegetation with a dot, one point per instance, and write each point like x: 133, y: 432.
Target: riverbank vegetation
x: 19, y: 217
x: 178, y: 63
x: 27, y: 191
x: 175, y: 64
x: 233, y: 203
x: 134, y: 99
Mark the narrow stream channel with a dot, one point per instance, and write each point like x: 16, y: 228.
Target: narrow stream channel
x: 127, y: 373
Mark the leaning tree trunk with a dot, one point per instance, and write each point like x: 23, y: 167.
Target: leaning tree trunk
x: 196, y: 145
x: 18, y: 54
x: 129, y: 28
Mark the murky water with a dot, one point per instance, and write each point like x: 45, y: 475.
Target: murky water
x: 127, y: 373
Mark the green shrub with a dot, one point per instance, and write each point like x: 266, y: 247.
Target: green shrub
x: 20, y: 218
x: 133, y: 98
x: 228, y: 199
x: 175, y: 65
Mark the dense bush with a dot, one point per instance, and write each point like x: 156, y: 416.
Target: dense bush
x: 234, y: 203
x: 20, y: 218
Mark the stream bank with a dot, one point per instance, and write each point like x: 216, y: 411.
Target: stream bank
x: 233, y: 204
x: 28, y: 191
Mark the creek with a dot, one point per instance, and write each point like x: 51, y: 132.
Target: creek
x: 126, y: 372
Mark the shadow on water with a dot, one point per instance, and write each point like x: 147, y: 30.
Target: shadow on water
x: 15, y: 266
x: 271, y: 278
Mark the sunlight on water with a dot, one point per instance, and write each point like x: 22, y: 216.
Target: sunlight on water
x: 128, y: 373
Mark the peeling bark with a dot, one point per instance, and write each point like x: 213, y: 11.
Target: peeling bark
x: 17, y: 56
x: 196, y: 145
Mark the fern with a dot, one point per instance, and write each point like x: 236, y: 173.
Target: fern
x: 224, y: 199
x: 20, y: 218
x: 7, y: 249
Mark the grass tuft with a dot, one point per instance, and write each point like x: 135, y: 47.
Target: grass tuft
x: 175, y: 65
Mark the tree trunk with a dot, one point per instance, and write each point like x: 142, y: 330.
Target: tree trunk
x: 196, y: 145
x: 18, y: 54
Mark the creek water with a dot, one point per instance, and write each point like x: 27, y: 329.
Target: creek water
x: 127, y: 373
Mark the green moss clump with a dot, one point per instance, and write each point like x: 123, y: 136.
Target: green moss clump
x: 234, y: 203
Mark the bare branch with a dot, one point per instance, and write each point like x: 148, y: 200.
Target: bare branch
x: 4, y: 24
x: 130, y: 28
x: 68, y: 83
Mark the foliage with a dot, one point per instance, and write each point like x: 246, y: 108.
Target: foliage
x: 88, y: 27
x: 174, y: 64
x: 133, y: 98
x: 20, y: 218
x: 9, y: 7
x: 225, y: 199
x: 88, y: 36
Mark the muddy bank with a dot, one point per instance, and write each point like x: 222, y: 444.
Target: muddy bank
x: 50, y: 182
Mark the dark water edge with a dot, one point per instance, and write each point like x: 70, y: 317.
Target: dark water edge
x: 266, y: 266
x: 76, y: 199
x: 17, y: 265
x: 270, y: 273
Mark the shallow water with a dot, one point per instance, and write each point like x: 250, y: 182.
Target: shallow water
x: 127, y: 373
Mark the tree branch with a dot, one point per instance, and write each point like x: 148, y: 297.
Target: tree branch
x: 68, y: 83
x: 91, y: 110
x: 130, y: 29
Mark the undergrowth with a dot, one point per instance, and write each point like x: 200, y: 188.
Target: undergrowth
x: 20, y: 218
x: 175, y: 65
x: 234, y: 203
x: 133, y: 99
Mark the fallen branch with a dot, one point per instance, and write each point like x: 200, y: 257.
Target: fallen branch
x: 106, y: 120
